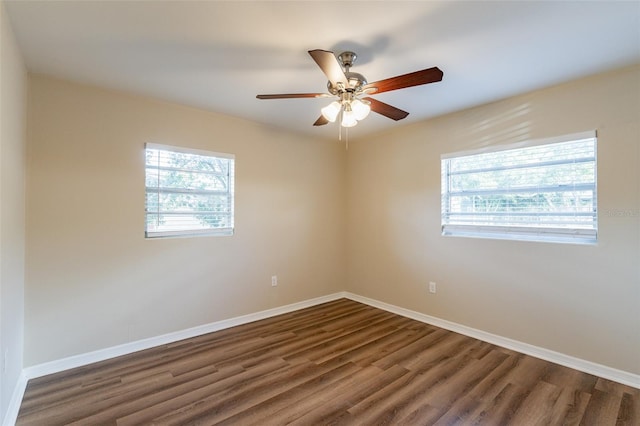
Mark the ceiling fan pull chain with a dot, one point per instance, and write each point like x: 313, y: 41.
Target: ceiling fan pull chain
x: 346, y: 143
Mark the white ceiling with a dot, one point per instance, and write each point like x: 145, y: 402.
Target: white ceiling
x: 218, y: 55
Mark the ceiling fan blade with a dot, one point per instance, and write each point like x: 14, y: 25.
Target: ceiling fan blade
x: 386, y: 109
x: 321, y: 121
x: 330, y: 66
x: 430, y: 75
x: 294, y: 95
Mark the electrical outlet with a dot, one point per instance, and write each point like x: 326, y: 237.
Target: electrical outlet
x: 274, y: 280
x: 432, y: 287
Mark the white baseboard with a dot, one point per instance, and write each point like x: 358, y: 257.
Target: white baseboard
x: 80, y: 360
x: 11, y: 415
x: 585, y: 366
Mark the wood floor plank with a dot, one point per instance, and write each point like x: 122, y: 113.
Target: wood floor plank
x: 501, y: 409
x: 410, y: 352
x: 629, y: 413
x: 158, y: 395
x: 282, y: 402
x: 537, y: 407
x: 570, y: 406
x: 298, y: 409
x: 603, y: 408
x: 460, y: 384
x: 413, y: 393
x: 178, y: 399
x: 339, y: 399
x: 342, y: 363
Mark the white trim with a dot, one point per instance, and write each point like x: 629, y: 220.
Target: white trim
x: 184, y: 150
x: 589, y: 134
x: 11, y: 415
x: 624, y: 377
x: 523, y: 233
x: 80, y: 360
x: 218, y: 232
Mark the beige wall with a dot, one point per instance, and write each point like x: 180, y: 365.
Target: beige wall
x: 582, y: 301
x: 13, y: 103
x: 93, y: 281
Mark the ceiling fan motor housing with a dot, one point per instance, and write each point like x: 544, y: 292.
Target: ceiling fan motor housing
x: 356, y: 80
x: 347, y: 59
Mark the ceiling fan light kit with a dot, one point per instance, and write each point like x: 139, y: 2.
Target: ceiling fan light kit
x: 353, y: 110
x: 349, y: 87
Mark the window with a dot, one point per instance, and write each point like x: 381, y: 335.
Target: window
x: 542, y: 190
x: 188, y: 192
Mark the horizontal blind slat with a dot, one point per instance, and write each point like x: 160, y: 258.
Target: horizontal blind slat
x: 527, y: 190
x: 523, y: 166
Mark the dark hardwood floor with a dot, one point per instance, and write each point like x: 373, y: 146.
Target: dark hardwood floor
x: 337, y: 363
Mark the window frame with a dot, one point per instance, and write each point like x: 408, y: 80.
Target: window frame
x: 193, y: 232
x: 529, y: 232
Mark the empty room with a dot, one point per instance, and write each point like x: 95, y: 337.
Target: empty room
x: 319, y: 212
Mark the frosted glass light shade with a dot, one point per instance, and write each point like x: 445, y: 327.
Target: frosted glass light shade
x: 331, y: 111
x: 348, y: 118
x: 360, y: 109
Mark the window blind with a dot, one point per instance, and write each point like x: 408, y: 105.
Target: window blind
x: 545, y: 191
x: 188, y: 192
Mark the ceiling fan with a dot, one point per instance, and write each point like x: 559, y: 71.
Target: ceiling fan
x: 349, y: 87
